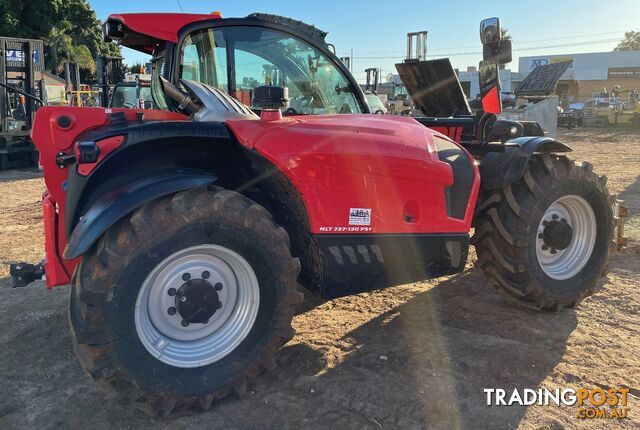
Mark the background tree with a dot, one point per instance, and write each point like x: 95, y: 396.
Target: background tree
x: 631, y: 42
x: 61, y: 48
x: 70, y: 29
x: 504, y: 35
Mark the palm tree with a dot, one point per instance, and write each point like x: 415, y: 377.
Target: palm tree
x: 61, y: 49
x: 504, y: 35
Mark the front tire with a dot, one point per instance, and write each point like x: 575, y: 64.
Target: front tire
x: 185, y: 300
x: 544, y: 241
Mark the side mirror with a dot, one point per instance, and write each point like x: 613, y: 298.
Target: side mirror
x: 490, y: 31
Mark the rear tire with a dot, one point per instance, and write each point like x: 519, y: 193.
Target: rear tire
x: 518, y: 228
x: 205, y: 237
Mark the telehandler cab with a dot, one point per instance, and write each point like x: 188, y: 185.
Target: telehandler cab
x: 185, y: 231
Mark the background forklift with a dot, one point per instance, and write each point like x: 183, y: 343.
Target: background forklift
x: 22, y: 91
x: 371, y: 91
x: 620, y: 111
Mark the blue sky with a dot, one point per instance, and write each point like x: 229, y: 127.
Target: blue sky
x: 376, y: 30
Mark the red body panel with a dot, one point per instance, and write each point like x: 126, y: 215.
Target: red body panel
x: 50, y: 139
x: 385, y: 169
x: 387, y: 165
x: 491, y: 101
x: 57, y: 270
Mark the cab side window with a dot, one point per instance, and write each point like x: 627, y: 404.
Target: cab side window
x: 204, y: 59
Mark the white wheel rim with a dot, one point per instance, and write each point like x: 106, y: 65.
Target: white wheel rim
x: 197, y: 344
x: 576, y: 212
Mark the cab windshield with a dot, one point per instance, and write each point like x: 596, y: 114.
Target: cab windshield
x: 240, y: 58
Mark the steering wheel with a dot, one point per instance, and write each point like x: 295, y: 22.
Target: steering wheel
x: 290, y: 111
x: 128, y: 105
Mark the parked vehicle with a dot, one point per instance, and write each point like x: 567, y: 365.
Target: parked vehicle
x: 580, y: 109
x: 509, y: 99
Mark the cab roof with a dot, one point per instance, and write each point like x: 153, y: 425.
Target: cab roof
x: 143, y: 31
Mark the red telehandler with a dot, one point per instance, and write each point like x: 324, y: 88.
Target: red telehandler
x: 185, y: 231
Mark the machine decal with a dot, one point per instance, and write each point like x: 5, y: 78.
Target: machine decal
x: 345, y: 229
x: 359, y: 216
x: 454, y: 133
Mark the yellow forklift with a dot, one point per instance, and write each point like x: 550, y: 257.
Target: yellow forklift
x: 619, y: 111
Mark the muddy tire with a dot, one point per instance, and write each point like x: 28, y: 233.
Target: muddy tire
x: 185, y: 300
x: 544, y: 241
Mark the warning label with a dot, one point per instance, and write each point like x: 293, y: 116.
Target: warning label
x: 359, y: 216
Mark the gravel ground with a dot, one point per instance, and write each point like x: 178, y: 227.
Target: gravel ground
x: 413, y: 356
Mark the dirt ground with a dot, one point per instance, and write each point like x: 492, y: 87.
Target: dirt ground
x: 409, y: 357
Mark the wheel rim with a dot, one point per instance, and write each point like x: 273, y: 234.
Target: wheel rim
x: 197, y: 306
x: 566, y: 237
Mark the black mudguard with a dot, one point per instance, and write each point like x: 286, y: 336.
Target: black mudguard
x: 500, y: 169
x: 114, y: 205
x: 135, y: 159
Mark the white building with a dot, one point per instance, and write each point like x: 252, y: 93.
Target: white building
x: 588, y: 73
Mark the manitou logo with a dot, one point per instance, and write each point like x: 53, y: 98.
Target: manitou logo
x: 454, y: 133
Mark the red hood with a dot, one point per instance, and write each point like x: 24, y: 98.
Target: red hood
x: 404, y: 132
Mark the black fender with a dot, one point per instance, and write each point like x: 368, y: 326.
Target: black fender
x: 122, y: 200
x: 500, y: 169
x: 149, y: 147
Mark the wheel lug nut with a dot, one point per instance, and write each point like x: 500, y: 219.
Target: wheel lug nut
x: 545, y: 247
x: 186, y: 277
x: 563, y: 220
x: 219, y: 305
x: 555, y: 216
x: 184, y: 323
x: 545, y: 222
x: 171, y: 311
x: 218, y: 286
x: 172, y: 292
x: 205, y: 275
x: 183, y: 298
x: 553, y: 251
